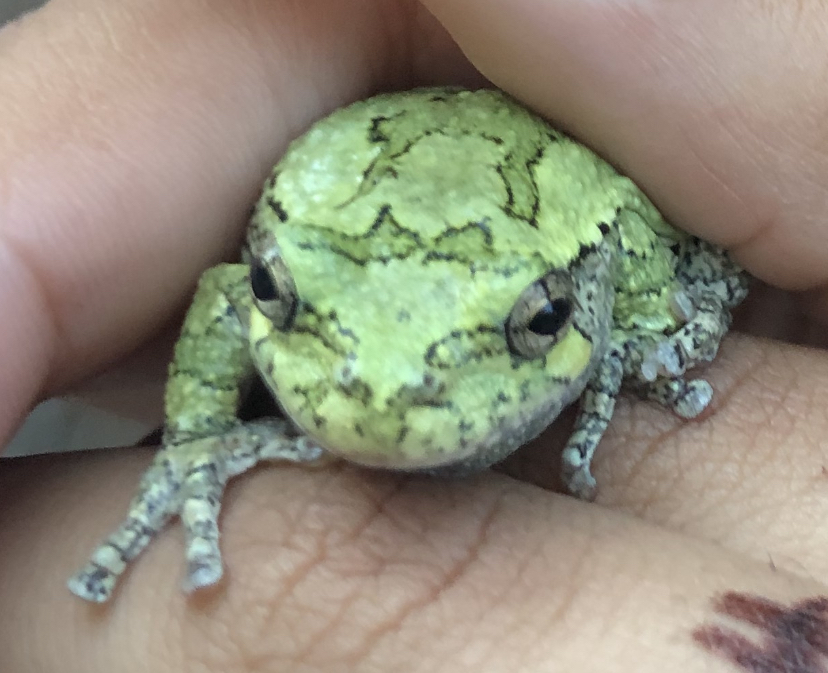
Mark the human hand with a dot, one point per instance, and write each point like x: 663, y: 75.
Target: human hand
x: 348, y: 570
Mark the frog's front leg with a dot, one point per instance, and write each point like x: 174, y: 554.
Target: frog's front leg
x: 204, y: 443
x: 594, y: 414
x: 711, y: 284
x: 655, y: 364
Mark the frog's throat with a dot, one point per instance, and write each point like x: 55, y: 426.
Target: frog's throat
x: 502, y: 440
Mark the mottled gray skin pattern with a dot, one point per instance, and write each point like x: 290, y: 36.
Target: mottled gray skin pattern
x: 429, y: 278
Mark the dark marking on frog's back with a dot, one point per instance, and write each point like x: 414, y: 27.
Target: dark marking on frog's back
x: 474, y: 226
x: 396, y: 240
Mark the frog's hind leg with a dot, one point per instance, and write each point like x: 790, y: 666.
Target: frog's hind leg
x: 712, y: 285
x: 189, y: 479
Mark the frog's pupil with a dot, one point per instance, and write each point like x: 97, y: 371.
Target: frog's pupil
x: 551, y: 317
x: 262, y: 284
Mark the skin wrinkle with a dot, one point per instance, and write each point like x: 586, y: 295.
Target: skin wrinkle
x: 375, y: 513
x: 654, y: 447
x: 755, y: 233
x: 288, y: 583
x: 716, y: 494
x: 304, y: 573
x: 512, y: 577
x: 558, y: 615
x: 518, y: 620
x: 380, y: 511
x: 314, y: 649
x: 41, y: 294
x: 257, y: 607
x: 287, y: 586
x: 743, y: 369
x: 296, y: 521
x: 761, y: 470
x: 221, y: 646
x: 776, y: 408
x: 581, y: 545
x: 214, y: 654
x: 448, y: 578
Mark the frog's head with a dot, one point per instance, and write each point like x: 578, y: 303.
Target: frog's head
x: 417, y: 302
x: 412, y: 359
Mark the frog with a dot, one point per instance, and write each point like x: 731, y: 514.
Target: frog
x: 429, y: 278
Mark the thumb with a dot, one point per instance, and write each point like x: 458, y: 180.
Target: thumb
x: 715, y: 109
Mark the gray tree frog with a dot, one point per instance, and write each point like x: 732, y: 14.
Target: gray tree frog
x: 429, y: 278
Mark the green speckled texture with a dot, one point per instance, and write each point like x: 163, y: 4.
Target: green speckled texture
x: 435, y: 274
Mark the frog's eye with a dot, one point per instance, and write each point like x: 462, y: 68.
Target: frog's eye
x: 541, y: 316
x: 274, y: 292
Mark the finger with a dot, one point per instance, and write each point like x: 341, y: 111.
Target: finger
x: 715, y: 109
x: 135, y: 137
x: 751, y: 475
x: 349, y: 570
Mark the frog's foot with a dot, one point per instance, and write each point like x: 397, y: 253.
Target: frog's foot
x: 706, y: 269
x: 696, y: 342
x: 712, y: 284
x: 188, y: 479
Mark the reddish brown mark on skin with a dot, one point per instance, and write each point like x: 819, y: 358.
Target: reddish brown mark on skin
x: 793, y: 639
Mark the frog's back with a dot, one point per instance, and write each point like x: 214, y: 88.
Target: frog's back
x: 439, y: 171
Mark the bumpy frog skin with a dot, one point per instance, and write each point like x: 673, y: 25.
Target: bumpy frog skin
x: 431, y: 277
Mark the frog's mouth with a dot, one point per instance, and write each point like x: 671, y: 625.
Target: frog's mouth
x: 422, y: 450
x: 395, y: 460
x: 351, y: 444
x: 413, y: 428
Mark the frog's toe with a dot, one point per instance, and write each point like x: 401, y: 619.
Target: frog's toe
x: 149, y: 513
x: 685, y: 398
x: 663, y: 360
x: 682, y: 306
x: 199, y: 516
x: 693, y: 398
x: 577, y: 476
x: 93, y: 583
x: 203, y: 572
x: 204, y: 564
